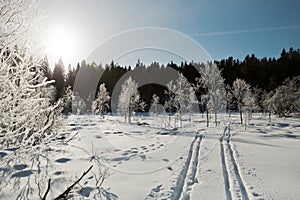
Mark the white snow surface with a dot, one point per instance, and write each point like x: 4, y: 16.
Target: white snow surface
x: 148, y: 161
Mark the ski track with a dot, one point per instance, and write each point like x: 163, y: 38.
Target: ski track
x: 188, y: 174
x: 234, y: 185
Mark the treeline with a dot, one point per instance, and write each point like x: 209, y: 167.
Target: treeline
x: 265, y: 74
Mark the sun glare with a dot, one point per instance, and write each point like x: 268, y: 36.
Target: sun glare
x: 61, y: 44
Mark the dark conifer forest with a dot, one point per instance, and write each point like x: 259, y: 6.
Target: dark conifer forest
x: 265, y: 74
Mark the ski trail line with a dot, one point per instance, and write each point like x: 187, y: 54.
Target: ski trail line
x: 234, y: 184
x: 225, y: 173
x: 188, y: 174
x: 237, y: 173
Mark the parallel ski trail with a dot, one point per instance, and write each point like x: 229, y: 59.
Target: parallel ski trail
x: 234, y: 184
x: 225, y: 171
x: 188, y: 174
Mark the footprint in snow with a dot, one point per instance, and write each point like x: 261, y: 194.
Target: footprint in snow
x: 58, y: 173
x: 63, y: 160
x: 2, y: 154
x: 21, y: 174
x: 20, y: 167
x: 143, y: 157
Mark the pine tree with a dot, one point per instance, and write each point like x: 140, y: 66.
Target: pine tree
x: 59, y: 78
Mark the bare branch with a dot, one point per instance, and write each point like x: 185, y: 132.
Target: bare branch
x: 64, y: 195
x: 48, y: 189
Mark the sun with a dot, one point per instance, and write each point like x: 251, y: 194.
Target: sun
x: 61, y: 44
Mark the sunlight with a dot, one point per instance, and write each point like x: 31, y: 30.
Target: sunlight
x: 61, y: 44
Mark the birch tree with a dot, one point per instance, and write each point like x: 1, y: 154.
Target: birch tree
x: 213, y: 83
x: 241, y: 93
x: 129, y: 99
x: 101, y: 103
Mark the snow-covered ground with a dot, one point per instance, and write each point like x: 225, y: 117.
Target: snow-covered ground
x: 148, y: 161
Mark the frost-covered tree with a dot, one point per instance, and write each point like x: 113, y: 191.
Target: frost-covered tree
x: 155, y: 103
x: 250, y: 104
x: 267, y: 103
x: 170, y: 102
x: 180, y: 97
x: 129, y: 99
x: 66, y: 100
x: 27, y: 114
x: 192, y: 101
x: 213, y: 83
x: 241, y: 93
x: 101, y: 103
x: 286, y: 96
x: 78, y: 104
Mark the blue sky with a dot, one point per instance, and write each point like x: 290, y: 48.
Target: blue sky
x: 224, y: 28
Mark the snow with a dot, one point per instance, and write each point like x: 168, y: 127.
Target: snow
x: 147, y: 161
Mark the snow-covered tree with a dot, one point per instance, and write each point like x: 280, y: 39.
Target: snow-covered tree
x: 154, y: 103
x: 129, y: 99
x: 170, y: 103
x: 155, y: 99
x: 78, y: 104
x: 249, y: 102
x: 27, y: 114
x: 101, y: 103
x: 267, y: 103
x: 213, y: 83
x: 241, y: 93
x: 66, y: 100
x: 192, y: 101
x: 180, y: 97
x: 286, y: 96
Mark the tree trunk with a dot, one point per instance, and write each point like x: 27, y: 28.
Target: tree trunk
x: 180, y: 119
x: 207, y: 118
x: 241, y: 117
x: 129, y: 116
x: 216, y: 118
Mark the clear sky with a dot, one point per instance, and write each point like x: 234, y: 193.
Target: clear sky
x: 223, y: 27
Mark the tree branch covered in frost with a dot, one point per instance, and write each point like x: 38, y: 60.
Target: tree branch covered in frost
x: 129, y: 99
x: 27, y: 113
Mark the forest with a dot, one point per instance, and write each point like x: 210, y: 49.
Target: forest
x: 264, y: 75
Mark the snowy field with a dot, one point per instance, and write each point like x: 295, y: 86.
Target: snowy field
x: 147, y: 160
